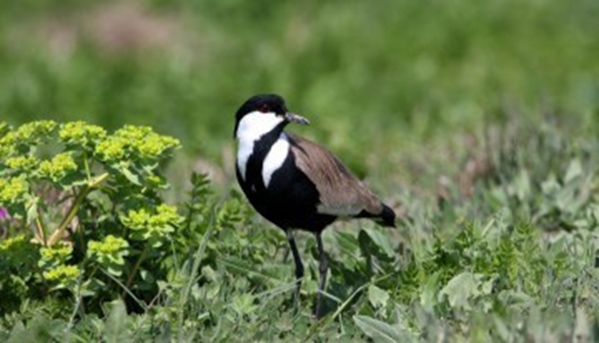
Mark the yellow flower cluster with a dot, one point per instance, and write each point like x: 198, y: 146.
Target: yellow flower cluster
x: 131, y: 140
x: 25, y: 134
x: 109, y: 253
x: 81, y: 133
x: 34, y: 130
x: 154, y: 145
x: 12, y: 190
x: 30, y: 132
x: 111, y: 149
x: 59, y: 252
x: 110, y: 245
x: 152, y: 224
x: 53, y: 261
x: 134, y: 133
x: 6, y: 150
x: 22, y: 163
x: 7, y: 143
x: 165, y: 214
x: 59, y: 167
x: 10, y: 242
x: 136, y: 219
x: 63, y: 274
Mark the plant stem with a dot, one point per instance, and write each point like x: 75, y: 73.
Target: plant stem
x: 86, y: 164
x: 75, y: 207
x: 136, y: 267
x: 40, y: 230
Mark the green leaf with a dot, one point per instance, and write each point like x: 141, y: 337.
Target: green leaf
x: 147, y: 276
x: 461, y: 288
x: 244, y: 304
x: 39, y: 329
x: 236, y: 265
x: 551, y: 185
x: 129, y: 175
x: 522, y: 185
x: 116, y: 324
x: 380, y: 331
x: 381, y: 240
x: 31, y: 207
x: 429, y: 292
x: 574, y: 170
x: 377, y: 297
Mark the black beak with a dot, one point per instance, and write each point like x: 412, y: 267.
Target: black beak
x: 296, y: 118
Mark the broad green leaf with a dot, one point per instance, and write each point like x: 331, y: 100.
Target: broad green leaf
x: 429, y: 292
x: 32, y: 213
x: 574, y: 171
x: 378, y: 246
x: 377, y: 297
x: 147, y: 276
x: 116, y: 329
x: 244, y: 304
x: 39, y: 329
x: 461, y: 288
x: 582, y: 331
x: 516, y: 299
x: 381, y: 239
x: 522, y: 185
x: 347, y: 241
x: 551, y: 185
x: 129, y: 175
x: 380, y: 331
x: 250, y: 270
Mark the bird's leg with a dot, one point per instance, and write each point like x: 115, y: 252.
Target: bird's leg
x: 322, y: 268
x: 299, y: 268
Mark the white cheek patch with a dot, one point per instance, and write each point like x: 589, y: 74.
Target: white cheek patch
x: 251, y: 128
x: 275, y: 158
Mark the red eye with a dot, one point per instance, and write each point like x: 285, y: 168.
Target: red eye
x: 263, y: 108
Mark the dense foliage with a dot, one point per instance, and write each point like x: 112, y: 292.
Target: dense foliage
x: 92, y: 252
x: 77, y: 216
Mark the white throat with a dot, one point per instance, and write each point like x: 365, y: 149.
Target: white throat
x: 251, y: 128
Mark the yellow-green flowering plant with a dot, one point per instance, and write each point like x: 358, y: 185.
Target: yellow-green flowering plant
x: 86, y: 224
x: 110, y: 253
x: 85, y: 206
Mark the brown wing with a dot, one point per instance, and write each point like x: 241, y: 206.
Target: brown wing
x: 341, y: 193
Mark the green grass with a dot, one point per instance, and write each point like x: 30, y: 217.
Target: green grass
x: 400, y: 70
x: 478, y: 121
x: 516, y: 260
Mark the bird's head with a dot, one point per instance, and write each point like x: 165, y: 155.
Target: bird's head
x: 262, y: 114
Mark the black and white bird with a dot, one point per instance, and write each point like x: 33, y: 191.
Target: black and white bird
x: 295, y: 183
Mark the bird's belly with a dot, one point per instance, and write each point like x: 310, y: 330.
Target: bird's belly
x: 289, y: 201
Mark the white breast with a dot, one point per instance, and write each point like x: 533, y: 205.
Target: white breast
x: 251, y: 128
x: 275, y: 158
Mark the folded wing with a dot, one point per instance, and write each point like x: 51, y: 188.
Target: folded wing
x: 341, y: 193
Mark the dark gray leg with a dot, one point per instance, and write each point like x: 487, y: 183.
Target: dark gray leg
x: 299, y: 267
x: 322, y: 268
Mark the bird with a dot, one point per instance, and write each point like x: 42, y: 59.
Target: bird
x: 295, y: 183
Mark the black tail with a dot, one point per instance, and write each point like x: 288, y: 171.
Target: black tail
x: 387, y: 217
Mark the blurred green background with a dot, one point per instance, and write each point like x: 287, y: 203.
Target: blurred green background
x: 391, y: 77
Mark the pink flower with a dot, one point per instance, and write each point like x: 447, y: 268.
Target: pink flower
x: 3, y: 213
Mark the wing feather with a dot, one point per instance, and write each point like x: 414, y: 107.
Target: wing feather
x: 341, y: 193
